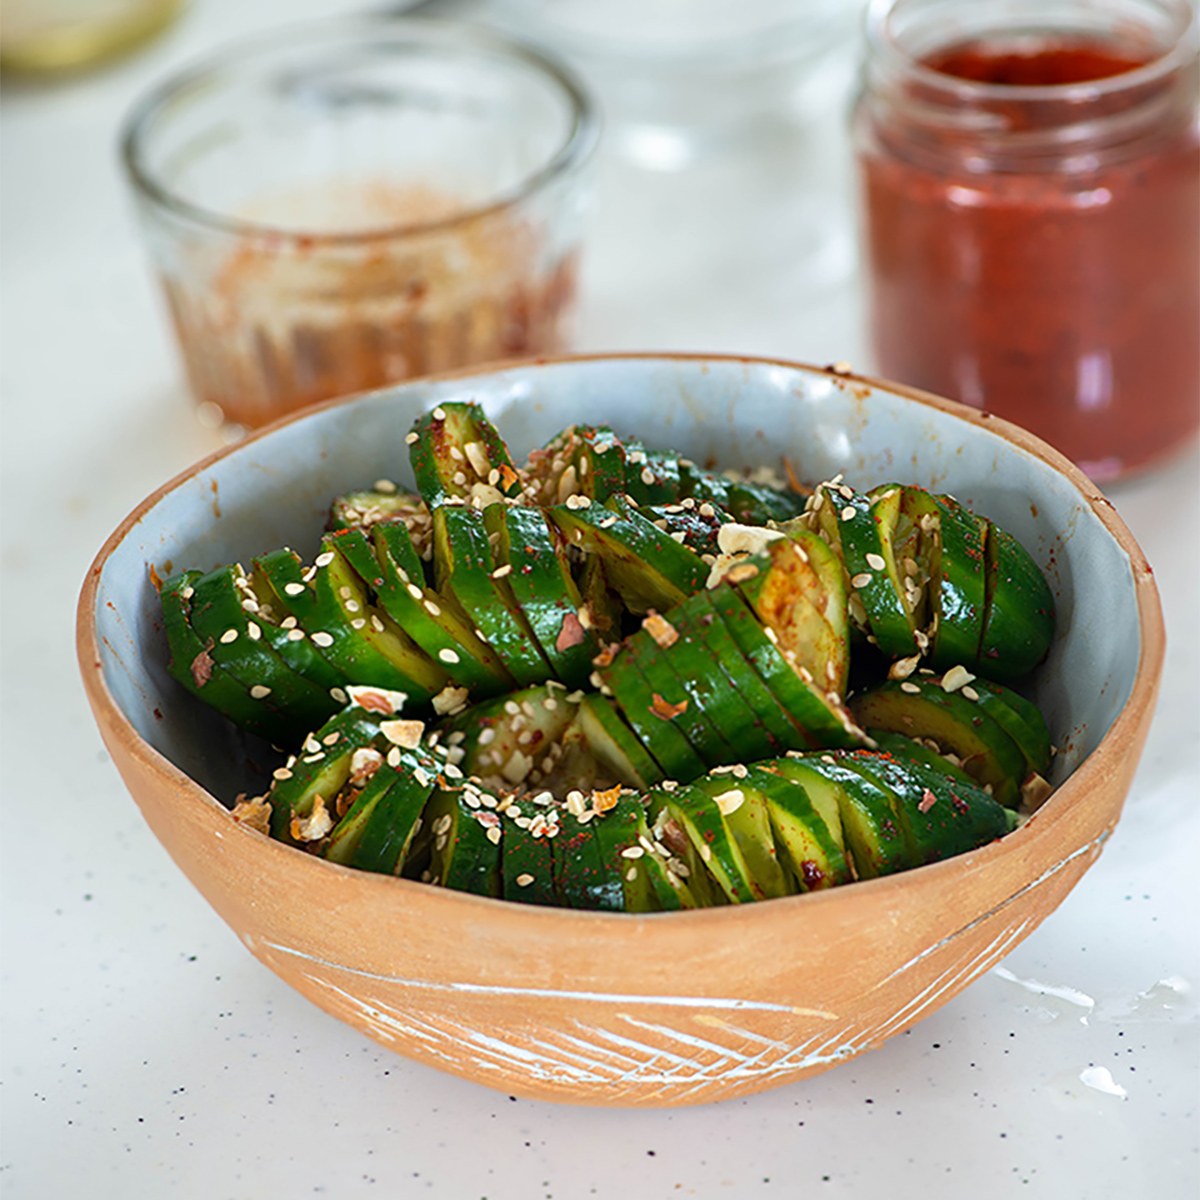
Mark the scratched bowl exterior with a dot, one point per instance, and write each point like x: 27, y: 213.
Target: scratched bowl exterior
x: 664, y: 1009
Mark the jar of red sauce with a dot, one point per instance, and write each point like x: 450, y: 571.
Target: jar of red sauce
x: 1030, y: 174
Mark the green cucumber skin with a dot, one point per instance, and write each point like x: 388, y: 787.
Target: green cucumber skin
x: 582, y: 877
x: 542, y: 587
x: 697, y: 723
x: 464, y: 564
x: 620, y: 750
x: 644, y: 565
x: 1019, y: 625
x: 468, y: 861
x: 807, y: 707
x: 324, y: 776
x: 961, y: 594
x: 989, y: 754
x: 820, y: 861
x: 634, y: 696
x: 347, y: 835
x: 870, y: 823
x: 382, y: 577
x: 389, y: 832
x: 523, y: 854
x: 750, y: 826
x: 216, y: 612
x: 908, y: 750
x: 1021, y: 719
x: 714, y: 843
x: 960, y: 818
x: 435, y: 467
x: 220, y: 691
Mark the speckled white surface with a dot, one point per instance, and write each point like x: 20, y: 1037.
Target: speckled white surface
x: 145, y: 1053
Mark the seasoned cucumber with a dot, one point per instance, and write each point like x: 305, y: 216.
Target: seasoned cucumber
x: 539, y: 576
x: 742, y: 803
x: 1019, y: 624
x: 457, y: 454
x: 582, y: 460
x: 465, y: 576
x: 955, y: 724
x: 645, y: 566
x: 191, y: 664
x: 809, y: 849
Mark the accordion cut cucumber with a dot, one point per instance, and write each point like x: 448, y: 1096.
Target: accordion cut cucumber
x: 954, y: 723
x: 465, y: 575
x: 646, y: 567
x: 539, y: 577
x: 458, y: 454
x: 613, y: 680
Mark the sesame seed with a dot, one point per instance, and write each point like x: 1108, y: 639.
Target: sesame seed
x: 632, y: 852
x: 434, y: 610
x: 524, y: 880
x: 295, y: 635
x: 322, y: 639
x: 439, y: 413
x: 447, y: 655
x: 230, y: 635
x: 253, y: 631
x: 876, y: 562
x: 338, y: 694
x: 259, y: 692
x: 911, y: 688
x: 970, y: 693
x: 862, y: 580
x: 411, y: 439
x: 281, y: 773
x: 494, y: 835
x: 294, y: 589
x: 849, y: 512
x: 323, y: 560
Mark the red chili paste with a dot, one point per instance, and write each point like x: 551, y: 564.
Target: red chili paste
x: 1053, y: 280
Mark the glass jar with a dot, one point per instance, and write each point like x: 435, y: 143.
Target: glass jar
x: 359, y: 201
x: 1030, y: 179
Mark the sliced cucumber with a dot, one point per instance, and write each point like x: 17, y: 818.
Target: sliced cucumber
x: 458, y: 454
x: 1019, y: 625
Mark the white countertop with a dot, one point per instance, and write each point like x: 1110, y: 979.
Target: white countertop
x: 146, y: 1054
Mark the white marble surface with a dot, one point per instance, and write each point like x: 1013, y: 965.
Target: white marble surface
x: 146, y: 1054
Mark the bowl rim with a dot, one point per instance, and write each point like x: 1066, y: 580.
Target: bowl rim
x: 1058, y: 809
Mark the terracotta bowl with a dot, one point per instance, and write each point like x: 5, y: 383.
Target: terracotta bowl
x: 665, y: 1009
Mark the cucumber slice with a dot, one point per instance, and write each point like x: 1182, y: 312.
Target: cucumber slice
x: 644, y: 565
x: 1018, y: 717
x: 394, y: 825
x: 598, y: 749
x: 956, y: 563
x: 365, y: 510
x: 397, y: 589
x: 464, y: 843
x: 1019, y: 623
x: 938, y: 817
x: 457, y: 454
x: 854, y: 526
x: 696, y: 526
x: 810, y: 851
x: 658, y: 666
x: 347, y: 835
x: 368, y: 646
x: 584, y: 878
x: 582, y: 460
x: 685, y: 870
x: 909, y: 750
x: 955, y: 724
x: 528, y: 866
x: 652, y: 717
x: 242, y: 650
x: 698, y: 815
x: 709, y: 680
x: 819, y: 715
x: 192, y: 665
x: 743, y: 805
x: 506, y: 741
x: 797, y: 588
x: 322, y: 768
x: 652, y: 477
x: 465, y: 576
x: 543, y: 589
x: 870, y: 825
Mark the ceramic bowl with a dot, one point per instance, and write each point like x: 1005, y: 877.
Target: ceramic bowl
x: 663, y: 1009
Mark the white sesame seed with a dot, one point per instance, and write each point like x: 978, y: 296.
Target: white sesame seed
x: 447, y: 655
x: 253, y: 631
x: 911, y: 688
x: 322, y: 639
x: 876, y: 562
x: 259, y: 692
x: 411, y: 439
x: 338, y: 694
x: 294, y: 589
x: 849, y: 512
x: 862, y: 580
x: 230, y: 635
x: 323, y: 560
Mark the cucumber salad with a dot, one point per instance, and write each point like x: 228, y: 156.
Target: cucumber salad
x: 609, y: 678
